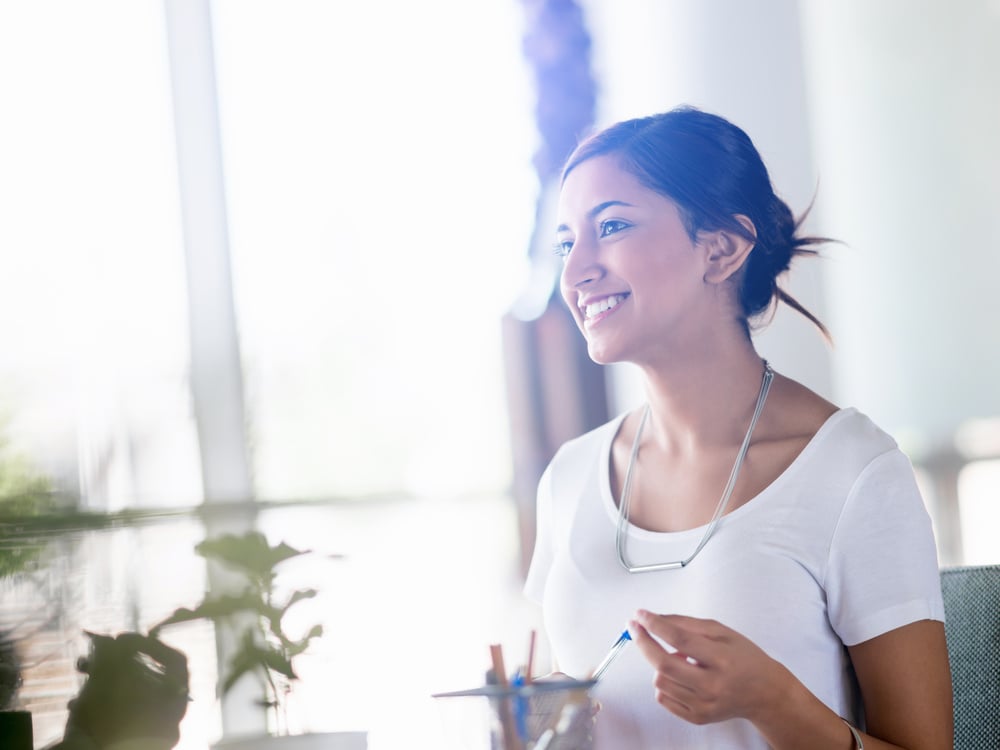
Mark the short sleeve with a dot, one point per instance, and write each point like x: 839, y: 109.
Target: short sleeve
x: 882, y: 571
x: 541, y: 557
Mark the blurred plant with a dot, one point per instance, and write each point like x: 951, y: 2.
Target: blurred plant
x: 25, y: 494
x: 263, y: 645
x: 32, y: 509
x: 135, y: 695
x: 10, y: 670
x: 24, y: 491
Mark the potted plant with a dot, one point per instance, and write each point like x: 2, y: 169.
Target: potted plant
x: 262, y: 644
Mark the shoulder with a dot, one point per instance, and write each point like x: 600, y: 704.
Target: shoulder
x: 795, y: 410
x: 589, y: 445
x: 580, y: 460
x: 801, y: 415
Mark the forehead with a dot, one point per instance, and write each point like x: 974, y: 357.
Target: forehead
x: 601, y: 180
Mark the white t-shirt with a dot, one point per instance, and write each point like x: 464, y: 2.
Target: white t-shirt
x: 837, y: 550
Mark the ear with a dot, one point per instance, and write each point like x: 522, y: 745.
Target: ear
x: 726, y: 251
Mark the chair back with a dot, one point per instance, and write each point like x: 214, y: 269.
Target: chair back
x: 972, y: 624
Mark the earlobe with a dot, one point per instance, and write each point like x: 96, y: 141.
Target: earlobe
x: 727, y: 251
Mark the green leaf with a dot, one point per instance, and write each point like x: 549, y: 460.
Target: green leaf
x: 249, y: 552
x: 245, y: 660
x: 218, y: 607
x: 298, y: 596
x: 271, y: 651
x: 252, y: 656
x: 294, y: 648
x: 279, y: 662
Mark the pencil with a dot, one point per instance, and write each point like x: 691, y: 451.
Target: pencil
x: 509, y: 735
x: 528, y: 670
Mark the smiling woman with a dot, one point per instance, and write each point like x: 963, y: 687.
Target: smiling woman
x: 734, y: 519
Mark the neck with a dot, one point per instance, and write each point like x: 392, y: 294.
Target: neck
x: 703, y: 401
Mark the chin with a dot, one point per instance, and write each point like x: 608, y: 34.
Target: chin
x: 601, y: 355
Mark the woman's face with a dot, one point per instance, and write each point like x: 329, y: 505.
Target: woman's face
x: 633, y: 278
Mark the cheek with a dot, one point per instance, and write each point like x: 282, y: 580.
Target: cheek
x: 567, y: 293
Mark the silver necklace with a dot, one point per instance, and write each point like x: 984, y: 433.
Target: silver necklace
x: 620, y: 535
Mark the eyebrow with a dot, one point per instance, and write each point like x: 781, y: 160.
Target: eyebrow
x: 595, y: 211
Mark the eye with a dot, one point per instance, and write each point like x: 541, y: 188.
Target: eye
x: 611, y: 226
x: 562, y: 248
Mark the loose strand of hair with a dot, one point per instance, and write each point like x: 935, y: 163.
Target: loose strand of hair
x: 793, y: 303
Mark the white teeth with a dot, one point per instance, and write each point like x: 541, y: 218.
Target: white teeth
x: 605, y: 304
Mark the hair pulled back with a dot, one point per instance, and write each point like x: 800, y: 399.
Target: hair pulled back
x: 713, y: 172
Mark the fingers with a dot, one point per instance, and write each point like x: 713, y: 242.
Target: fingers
x: 675, y: 665
x: 677, y: 677
x: 694, y: 637
x: 680, y: 626
x: 705, y: 671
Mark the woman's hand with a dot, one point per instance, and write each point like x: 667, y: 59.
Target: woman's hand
x: 552, y: 676
x: 714, y: 674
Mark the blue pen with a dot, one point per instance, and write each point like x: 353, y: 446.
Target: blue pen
x: 520, y: 707
x: 624, y: 638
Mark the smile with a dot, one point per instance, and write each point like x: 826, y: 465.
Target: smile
x: 608, y: 303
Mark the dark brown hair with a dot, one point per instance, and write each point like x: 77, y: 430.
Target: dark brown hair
x: 713, y: 172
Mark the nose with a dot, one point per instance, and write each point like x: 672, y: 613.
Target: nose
x: 582, y: 266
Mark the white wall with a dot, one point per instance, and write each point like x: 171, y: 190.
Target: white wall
x: 905, y: 121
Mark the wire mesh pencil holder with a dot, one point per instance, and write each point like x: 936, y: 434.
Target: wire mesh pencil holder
x: 545, y: 715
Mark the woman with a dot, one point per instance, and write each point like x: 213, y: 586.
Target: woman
x: 768, y: 552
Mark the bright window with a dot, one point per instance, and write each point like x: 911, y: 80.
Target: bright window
x: 380, y: 200
x: 93, y: 351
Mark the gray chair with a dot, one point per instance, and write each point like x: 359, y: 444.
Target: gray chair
x: 972, y: 625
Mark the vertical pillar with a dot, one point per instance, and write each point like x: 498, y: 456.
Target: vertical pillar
x: 216, y: 372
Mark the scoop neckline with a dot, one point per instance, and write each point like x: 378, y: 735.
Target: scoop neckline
x: 611, y: 507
